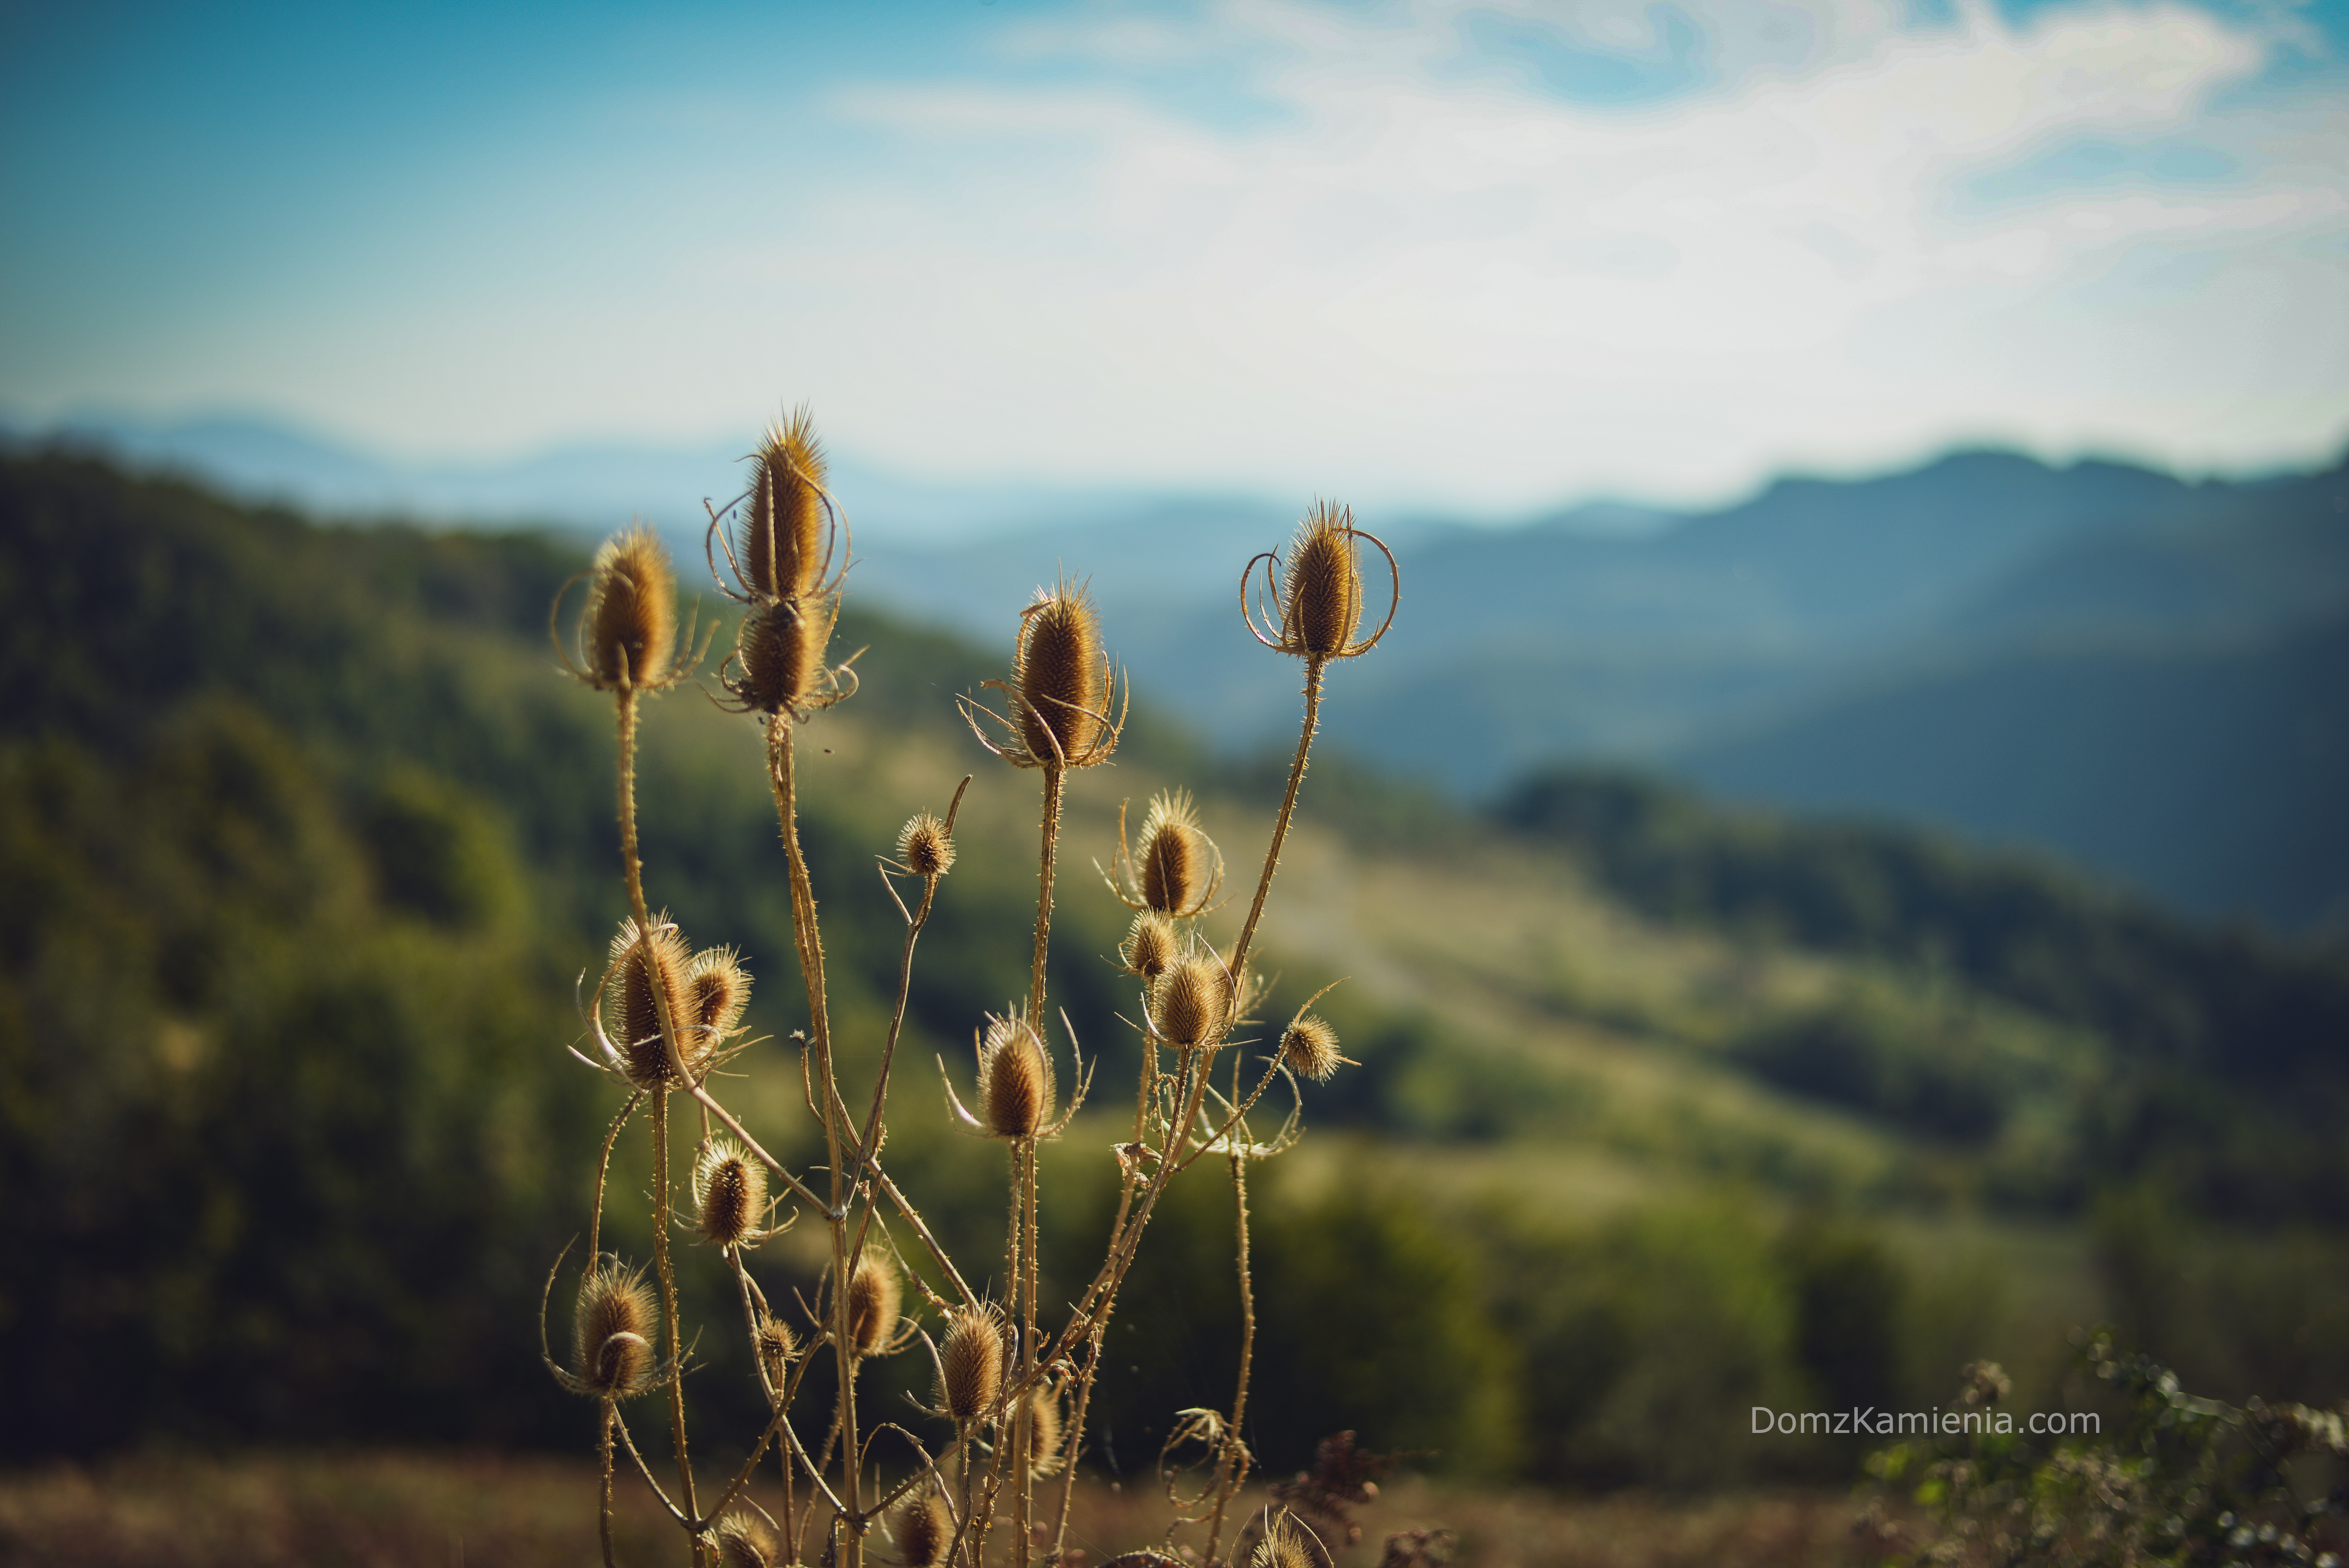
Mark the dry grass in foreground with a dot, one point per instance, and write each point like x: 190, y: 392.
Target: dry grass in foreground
x: 363, y: 1509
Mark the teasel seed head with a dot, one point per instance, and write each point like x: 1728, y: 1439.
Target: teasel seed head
x: 970, y: 1364
x: 628, y: 633
x: 634, y: 1020
x: 1061, y: 679
x: 1310, y: 1047
x: 746, y: 1541
x: 1191, y: 1003
x: 730, y: 1193
x: 926, y: 847
x: 922, y: 1530
x: 776, y: 1346
x: 1150, y: 946
x: 1322, y: 607
x: 612, y: 1341
x: 1179, y: 870
x: 778, y: 664
x: 718, y: 988
x: 1015, y: 1079
x: 874, y: 1294
x: 1280, y: 1548
x: 780, y: 544
x: 1043, y: 1431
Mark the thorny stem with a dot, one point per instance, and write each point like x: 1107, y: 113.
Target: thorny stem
x: 603, y: 1515
x: 603, y: 1173
x: 1023, y: 1458
x: 1048, y: 857
x: 1229, y: 1470
x: 1288, y: 807
x: 868, y: 1145
x: 632, y: 868
x: 810, y: 942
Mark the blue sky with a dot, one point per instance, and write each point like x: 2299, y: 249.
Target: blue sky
x: 1484, y: 256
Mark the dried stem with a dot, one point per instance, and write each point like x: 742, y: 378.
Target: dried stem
x: 1288, y: 807
x: 1230, y: 1471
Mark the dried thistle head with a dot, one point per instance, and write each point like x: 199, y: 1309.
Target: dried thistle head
x: 746, y: 1540
x: 1044, y: 1431
x: 1015, y: 1079
x: 639, y: 961
x: 781, y: 544
x: 924, y: 848
x: 1191, y: 1002
x: 717, y: 990
x: 628, y: 634
x: 874, y: 1295
x: 1062, y: 687
x: 775, y: 1344
x: 1309, y: 1048
x: 778, y: 662
x: 729, y: 1194
x: 970, y: 1364
x: 1150, y: 948
x: 1316, y: 585
x: 922, y: 1529
x: 612, y: 1337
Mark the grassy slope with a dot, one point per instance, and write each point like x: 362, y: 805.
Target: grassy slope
x: 1580, y: 1181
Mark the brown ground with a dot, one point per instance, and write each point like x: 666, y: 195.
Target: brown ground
x: 442, y: 1511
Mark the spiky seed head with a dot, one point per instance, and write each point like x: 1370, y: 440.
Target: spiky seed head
x: 1191, y: 1001
x: 717, y: 990
x: 634, y: 1020
x: 746, y: 1541
x: 1043, y: 1432
x: 1310, y: 1047
x: 1280, y: 1548
x: 776, y: 1346
x: 780, y: 545
x: 1015, y: 1080
x: 1060, y: 677
x: 612, y: 1338
x: 970, y: 1364
x: 926, y: 847
x: 730, y: 1193
x: 630, y: 625
x: 1175, y: 856
x: 1322, y: 585
x: 922, y: 1530
x: 874, y: 1292
x: 1150, y: 946
x: 780, y: 651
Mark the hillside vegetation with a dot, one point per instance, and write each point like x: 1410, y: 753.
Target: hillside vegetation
x: 1659, y: 1113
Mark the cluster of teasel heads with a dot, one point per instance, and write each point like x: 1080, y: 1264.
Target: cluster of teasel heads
x: 1012, y: 1389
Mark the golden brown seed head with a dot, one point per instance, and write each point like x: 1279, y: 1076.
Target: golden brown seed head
x: 922, y: 1530
x: 1191, y: 1001
x: 1174, y: 860
x: 1060, y: 679
x: 776, y: 1346
x: 1150, y: 946
x: 780, y: 545
x: 926, y: 847
x: 717, y: 990
x: 779, y: 654
x: 611, y: 1339
x: 1015, y: 1081
x: 634, y: 1021
x: 1043, y: 1432
x: 1310, y: 1047
x: 1321, y: 604
x: 746, y: 1541
x: 730, y: 1193
x: 873, y: 1298
x: 1281, y: 1548
x: 630, y: 627
x: 971, y: 1363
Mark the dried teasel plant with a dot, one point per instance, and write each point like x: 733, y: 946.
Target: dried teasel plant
x: 1015, y: 1374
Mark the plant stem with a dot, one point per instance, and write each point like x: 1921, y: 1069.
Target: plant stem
x: 1047, y: 860
x: 1288, y: 807
x: 1229, y: 1472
